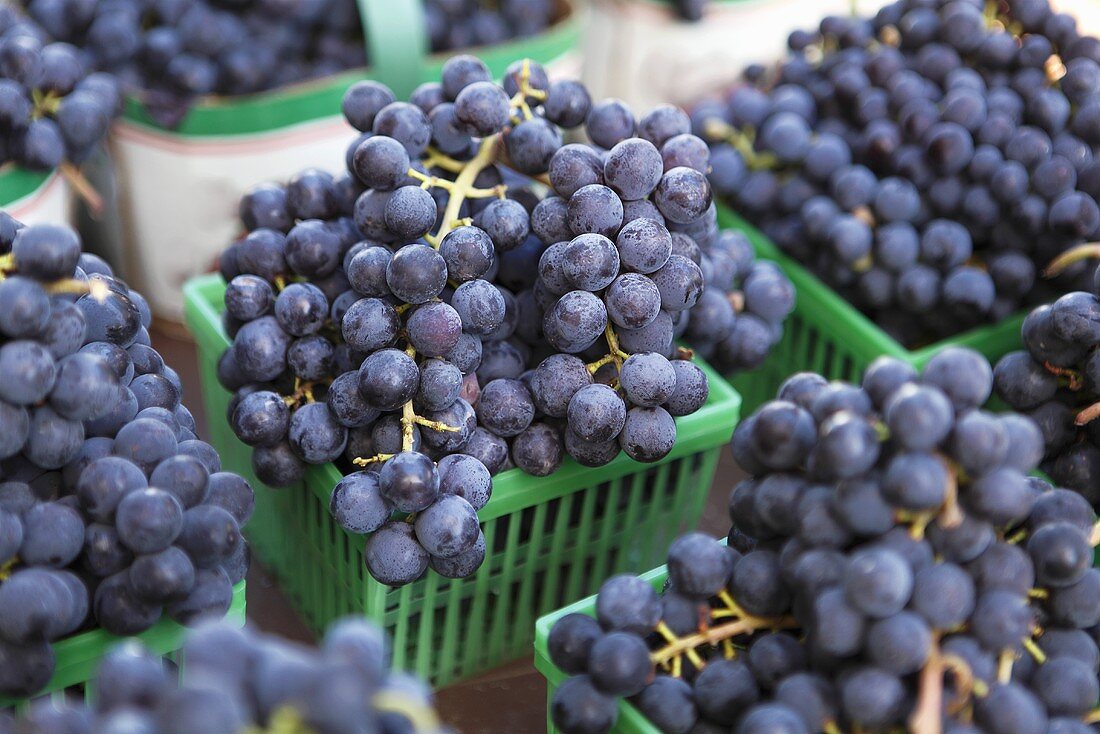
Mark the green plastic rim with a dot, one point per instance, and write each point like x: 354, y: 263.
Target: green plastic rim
x: 18, y: 183
x: 851, y: 330
x: 549, y: 540
x: 78, y: 657
x: 395, y: 27
x: 512, y: 490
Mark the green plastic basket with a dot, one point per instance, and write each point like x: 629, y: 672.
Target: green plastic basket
x: 78, y: 656
x: 828, y: 335
x: 630, y: 721
x: 549, y: 540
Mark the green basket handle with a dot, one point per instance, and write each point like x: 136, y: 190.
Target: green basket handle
x: 394, y: 32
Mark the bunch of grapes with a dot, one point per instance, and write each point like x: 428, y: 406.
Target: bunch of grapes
x: 54, y: 111
x: 112, y: 512
x: 891, y: 566
x: 456, y: 24
x: 432, y: 316
x: 925, y: 163
x: 237, y: 680
x: 169, y: 54
x: 1055, y: 380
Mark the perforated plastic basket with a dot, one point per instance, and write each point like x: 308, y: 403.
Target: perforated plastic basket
x: 631, y: 721
x: 828, y: 335
x: 78, y: 656
x: 549, y: 540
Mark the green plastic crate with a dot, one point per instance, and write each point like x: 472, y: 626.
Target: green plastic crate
x: 549, y: 540
x: 78, y: 656
x: 828, y: 335
x: 631, y: 721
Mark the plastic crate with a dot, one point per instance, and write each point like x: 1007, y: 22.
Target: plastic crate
x: 78, y: 656
x: 828, y: 335
x: 631, y: 721
x: 550, y: 540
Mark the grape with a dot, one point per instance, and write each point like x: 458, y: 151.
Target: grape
x: 410, y: 481
x: 567, y: 103
x: 594, y: 209
x: 619, y: 664
x: 393, y: 556
x: 647, y: 379
x: 468, y: 252
x: 1009, y: 707
x: 724, y: 690
x: 463, y: 565
x: 261, y: 418
x: 465, y: 477
x: 873, y: 697
x: 149, y: 520
x: 53, y: 535
x: 648, y: 434
x: 417, y: 273
x: 448, y: 527
x: 388, y: 379
x: 575, y: 321
x: 578, y: 706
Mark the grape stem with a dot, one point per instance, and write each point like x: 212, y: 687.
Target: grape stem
x: 927, y: 716
x: 303, y: 393
x: 361, y: 461
x: 519, y: 99
x: 435, y: 159
x: 1004, y: 665
x: 83, y: 187
x: 1089, y: 414
x: 742, y: 623
x: 1034, y: 650
x: 1094, y: 537
x: 423, y: 719
x: 464, y: 183
x: 7, y: 567
x: 1092, y: 717
x: 284, y: 720
x: 410, y: 418
x: 715, y: 635
x: 1089, y: 250
x: 1073, y: 377
x: 742, y: 141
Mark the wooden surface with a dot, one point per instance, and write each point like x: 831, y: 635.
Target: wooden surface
x: 511, y: 698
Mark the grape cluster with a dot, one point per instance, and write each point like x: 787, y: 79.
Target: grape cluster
x: 457, y: 24
x: 236, y: 680
x: 433, y: 317
x: 112, y: 512
x: 891, y: 566
x: 170, y: 54
x: 53, y: 109
x: 1055, y: 381
x: 925, y: 163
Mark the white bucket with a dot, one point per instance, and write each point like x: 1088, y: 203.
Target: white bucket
x: 640, y: 52
x: 37, y: 198
x: 180, y: 194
